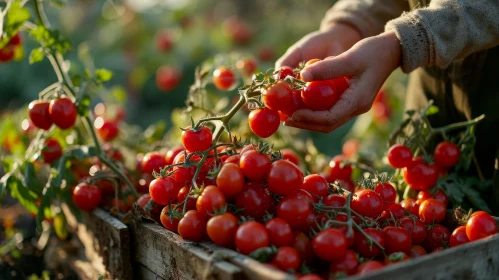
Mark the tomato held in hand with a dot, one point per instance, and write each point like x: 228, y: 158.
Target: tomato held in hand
x: 347, y: 265
x: 294, y: 210
x: 480, y: 225
x: 284, y: 177
x: 211, y: 200
x: 278, y: 96
x: 254, y: 165
x: 251, y: 236
x: 364, y: 247
x: 63, y: 112
x: 51, y: 151
x: 170, y: 218
x: 230, y: 180
x: 164, y: 190
x: 367, y: 203
x: 264, y: 122
x: 39, y: 114
x: 152, y: 161
x: 280, y: 232
x: 396, y: 240
x: 284, y: 71
x: 195, y: 140
x: 222, y: 228
x: 432, y: 211
x: 224, y: 78
x: 254, y: 200
x: 416, y: 228
x: 107, y: 130
x: 316, y: 185
x: 192, y: 226
x: 447, y: 154
x: 330, y: 245
x: 459, y: 237
x: 287, y: 258
x: 399, y: 156
x: 320, y: 95
x: 86, y: 197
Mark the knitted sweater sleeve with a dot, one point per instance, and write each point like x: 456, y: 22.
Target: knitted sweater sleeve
x: 445, y: 31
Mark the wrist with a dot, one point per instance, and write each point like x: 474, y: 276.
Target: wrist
x: 393, y: 48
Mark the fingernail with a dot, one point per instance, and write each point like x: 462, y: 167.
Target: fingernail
x: 306, y: 75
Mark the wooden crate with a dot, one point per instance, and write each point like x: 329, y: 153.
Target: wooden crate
x: 106, y: 242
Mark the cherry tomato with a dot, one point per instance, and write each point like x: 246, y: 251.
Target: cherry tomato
x: 63, y: 112
x: 224, y: 78
x: 312, y: 61
x: 303, y: 246
x: 423, y: 195
x: 320, y: 95
x: 396, y: 258
x: 86, y: 197
x: 172, y: 153
x: 346, y: 184
x: 339, y: 171
x: 411, y: 206
x: 369, y: 267
x: 278, y: 96
x: 254, y: 165
x: 15, y: 40
x: 222, y: 228
x: 287, y: 258
x: 437, y: 236
x: 211, y: 199
x: 459, y: 237
x: 364, y: 247
x: 164, y: 190
x: 347, y: 265
x: 195, y: 140
x: 396, y: 240
x: 417, y: 251
x: 266, y: 53
x: 285, y: 71
x: 254, y: 200
x: 247, y: 66
x: 247, y: 148
x: 191, y: 201
x: 164, y: 41
x: 230, y: 180
x: 341, y: 84
x: 387, y: 193
x: 367, y: 203
x: 393, y: 213
x: 168, y: 77
x: 51, y: 151
x: 290, y: 155
x: 334, y: 200
x: 280, y: 232
x: 421, y: 176
x: 284, y: 177
x: 350, y: 148
x: 251, y: 236
x: 264, y: 122
x: 431, y: 211
x: 39, y: 114
x: 143, y: 200
x: 192, y: 226
x: 152, y: 161
x: 416, y: 228
x: 316, y: 185
x: 480, y: 225
x: 107, y: 130
x: 399, y: 156
x: 440, y: 195
x: 447, y: 154
x: 294, y: 210
x: 330, y: 245
x: 166, y: 221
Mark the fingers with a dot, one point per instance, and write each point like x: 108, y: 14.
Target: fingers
x: 291, y: 58
x: 333, y: 67
x: 309, y: 126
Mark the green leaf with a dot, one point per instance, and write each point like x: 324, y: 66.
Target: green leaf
x: 103, y: 75
x: 76, y: 80
x: 51, y: 39
x: 15, y: 18
x: 264, y: 254
x: 36, y: 55
x: 30, y: 179
x: 26, y: 197
x: 83, y: 105
x: 432, y: 110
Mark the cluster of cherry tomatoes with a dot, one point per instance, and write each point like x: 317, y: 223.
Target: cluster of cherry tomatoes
x: 8, y: 52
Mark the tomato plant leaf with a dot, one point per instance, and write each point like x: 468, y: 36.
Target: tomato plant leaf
x: 51, y: 39
x: 36, y: 55
x: 26, y: 197
x: 76, y: 80
x: 30, y: 179
x: 83, y: 105
x: 15, y: 18
x: 103, y: 75
x: 264, y: 254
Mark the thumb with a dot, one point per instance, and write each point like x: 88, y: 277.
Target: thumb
x: 330, y: 68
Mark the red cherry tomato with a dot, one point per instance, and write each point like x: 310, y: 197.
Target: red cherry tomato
x: 222, y: 228
x: 459, y: 237
x: 347, y: 265
x: 251, y: 236
x: 224, y: 78
x: 364, y: 247
x: 264, y: 122
x: 280, y: 232
x: 330, y: 245
x: 278, y: 97
x: 320, y: 95
x: 51, y: 151
x: 437, y: 236
x: 254, y: 200
x: 350, y: 148
x: 423, y: 195
x: 196, y: 140
x: 480, y: 225
x: 285, y: 71
x: 192, y: 226
x: 399, y: 156
x: 287, y: 258
x: 417, y: 251
x: 15, y: 40
x: 211, y: 199
x: 168, y: 77
x: 86, y: 197
x: 421, y: 176
x: 63, y: 112
x: 164, y: 190
x: 191, y: 201
x: 396, y: 240
x: 152, y: 161
x: 416, y: 228
x: 254, y: 165
x: 303, y: 246
x: 447, y: 154
x: 164, y: 41
x: 39, y: 114
x: 316, y: 185
x: 284, y: 177
x: 387, y: 193
x: 369, y: 267
x: 341, y: 84
x: 411, y: 206
x: 431, y: 211
x: 367, y: 203
x: 294, y: 210
x: 290, y: 155
x: 171, y: 154
x: 393, y: 213
x: 166, y: 221
x: 339, y: 171
x: 440, y: 195
x: 230, y: 180
x: 334, y: 200
x: 247, y: 66
x: 107, y: 130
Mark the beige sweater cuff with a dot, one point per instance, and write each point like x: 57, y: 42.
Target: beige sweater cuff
x: 416, y: 42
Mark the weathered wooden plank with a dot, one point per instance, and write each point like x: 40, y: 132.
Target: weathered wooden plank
x: 145, y: 274
x: 106, y: 241
x: 168, y: 256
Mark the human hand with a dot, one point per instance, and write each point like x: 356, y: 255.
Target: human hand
x: 367, y: 64
x: 331, y: 41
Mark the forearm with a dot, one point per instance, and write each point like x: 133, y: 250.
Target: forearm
x: 367, y: 16
x: 445, y: 31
